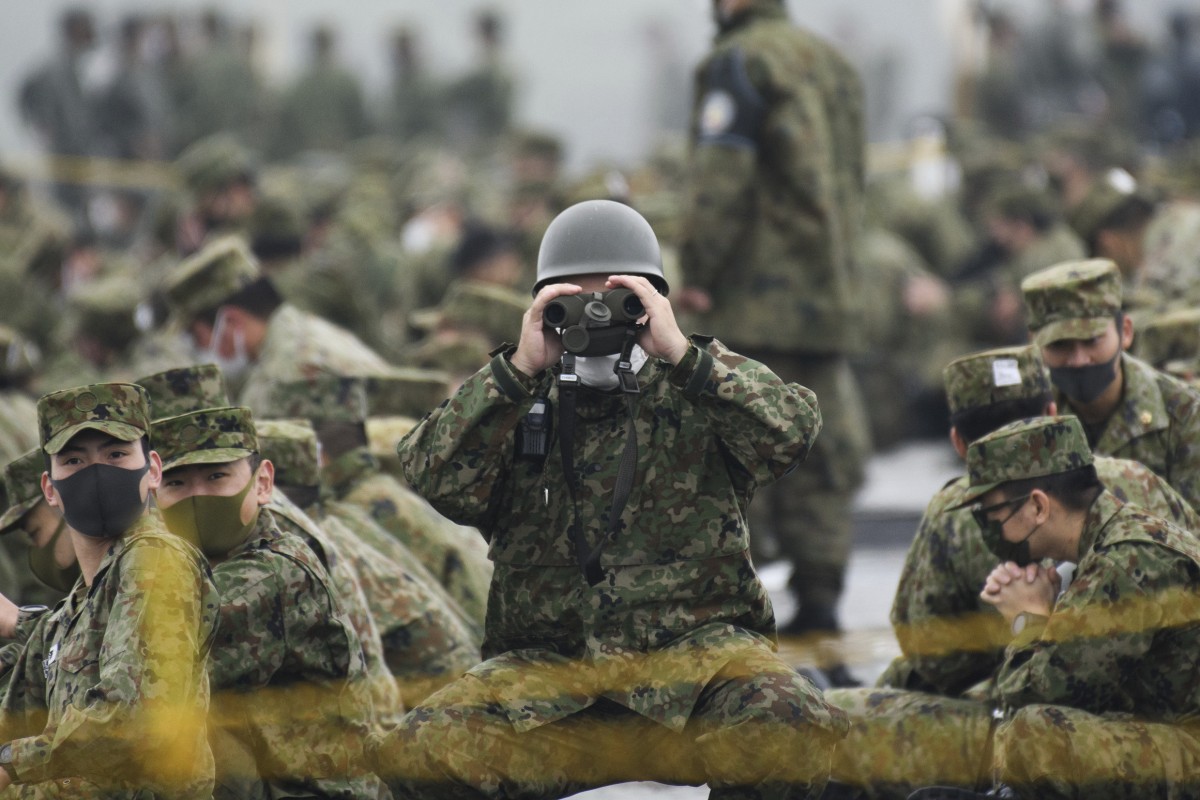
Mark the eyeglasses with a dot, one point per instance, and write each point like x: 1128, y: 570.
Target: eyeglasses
x: 982, y: 513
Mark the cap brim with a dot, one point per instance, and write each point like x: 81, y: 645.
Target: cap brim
x: 974, y: 493
x: 216, y: 455
x: 119, y: 430
x: 14, y: 513
x: 1087, y: 328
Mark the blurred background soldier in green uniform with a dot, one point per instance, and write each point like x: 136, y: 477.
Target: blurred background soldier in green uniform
x: 324, y: 108
x: 221, y: 175
x: 39, y: 564
x: 412, y: 108
x: 20, y: 359
x: 768, y: 253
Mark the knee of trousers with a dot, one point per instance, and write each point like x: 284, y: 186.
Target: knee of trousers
x: 1035, y: 743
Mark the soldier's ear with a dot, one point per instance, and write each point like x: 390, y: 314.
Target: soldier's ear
x: 48, y: 491
x: 960, y: 445
x: 1041, y: 505
x: 264, y: 482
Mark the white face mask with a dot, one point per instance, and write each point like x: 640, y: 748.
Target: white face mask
x: 597, y: 371
x: 236, y: 365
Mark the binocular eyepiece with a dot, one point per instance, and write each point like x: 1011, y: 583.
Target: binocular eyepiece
x: 594, y: 323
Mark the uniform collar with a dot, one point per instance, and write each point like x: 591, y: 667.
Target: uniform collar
x: 1105, y: 507
x: 1142, y: 410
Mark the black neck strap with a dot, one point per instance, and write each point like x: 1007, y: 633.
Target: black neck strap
x: 568, y: 384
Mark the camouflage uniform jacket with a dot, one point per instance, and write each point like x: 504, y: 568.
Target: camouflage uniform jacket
x: 299, y: 345
x: 1157, y: 423
x: 110, y: 693
x: 777, y: 178
x: 1171, y: 262
x: 1123, y: 636
x: 949, y: 637
x: 288, y: 674
x: 345, y: 580
x: 680, y: 597
x: 452, y: 553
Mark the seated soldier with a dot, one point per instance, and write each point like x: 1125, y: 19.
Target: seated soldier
x: 182, y: 390
x: 112, y: 683
x: 1128, y: 408
x: 291, y: 700
x: 424, y: 635
x: 1097, y: 690
x: 949, y: 637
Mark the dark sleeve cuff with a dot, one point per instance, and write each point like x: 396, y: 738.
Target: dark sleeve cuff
x: 513, y: 384
x: 692, y: 372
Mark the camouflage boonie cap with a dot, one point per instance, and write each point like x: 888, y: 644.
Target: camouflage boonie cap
x: 185, y: 389
x: 1072, y: 300
x: 211, y: 436
x: 291, y: 446
x: 22, y: 488
x: 402, y: 392
x: 210, y: 277
x: 19, y: 357
x: 995, y: 376
x: 106, y: 310
x: 118, y: 409
x: 322, y: 398
x: 1169, y: 337
x: 215, y: 162
x: 1030, y: 448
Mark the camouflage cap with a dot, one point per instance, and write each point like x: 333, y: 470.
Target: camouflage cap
x: 19, y: 357
x: 105, y: 309
x: 1170, y: 336
x: 495, y: 311
x: 214, y: 162
x: 1107, y: 195
x: 118, y: 409
x: 995, y: 376
x: 291, y: 446
x: 22, y: 487
x: 210, y: 277
x: 185, y: 389
x: 210, y: 436
x: 406, y: 392
x: 1031, y: 448
x: 322, y: 398
x: 1072, y: 300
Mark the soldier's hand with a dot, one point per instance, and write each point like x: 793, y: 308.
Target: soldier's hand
x: 1013, y: 589
x: 540, y: 346
x: 661, y: 338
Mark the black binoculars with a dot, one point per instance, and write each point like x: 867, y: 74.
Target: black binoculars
x: 594, y: 323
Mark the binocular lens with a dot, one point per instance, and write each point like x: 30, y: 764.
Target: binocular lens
x: 555, y: 314
x: 633, y: 307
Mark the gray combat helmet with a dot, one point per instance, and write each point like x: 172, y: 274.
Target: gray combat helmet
x: 599, y: 236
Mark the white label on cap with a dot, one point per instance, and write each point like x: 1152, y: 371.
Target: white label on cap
x: 1006, y: 372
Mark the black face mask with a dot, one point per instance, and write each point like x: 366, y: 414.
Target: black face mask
x: 993, y: 535
x: 102, y: 501
x: 1085, y: 384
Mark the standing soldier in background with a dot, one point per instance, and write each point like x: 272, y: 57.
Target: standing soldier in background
x: 777, y: 176
x: 53, y: 101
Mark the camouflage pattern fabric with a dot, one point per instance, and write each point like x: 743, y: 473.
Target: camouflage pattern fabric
x: 741, y: 736
x: 20, y: 492
x: 184, y: 389
x: 385, y: 695
x: 777, y: 169
x: 1170, y: 265
x: 1117, y: 645
x: 214, y: 162
x: 207, y: 279
x: 950, y: 639
x: 995, y: 376
x: 1025, y: 449
x: 453, y: 554
x: 1072, y: 300
x: 18, y: 424
x: 427, y: 639
x: 1170, y: 337
x: 288, y: 674
x: 298, y: 346
x: 1157, y: 423
x: 118, y: 409
x: 211, y: 436
x: 679, y: 590
x: 109, y: 697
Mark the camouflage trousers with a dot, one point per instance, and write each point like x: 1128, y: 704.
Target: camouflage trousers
x: 748, y: 738
x: 808, y: 511
x: 899, y: 741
